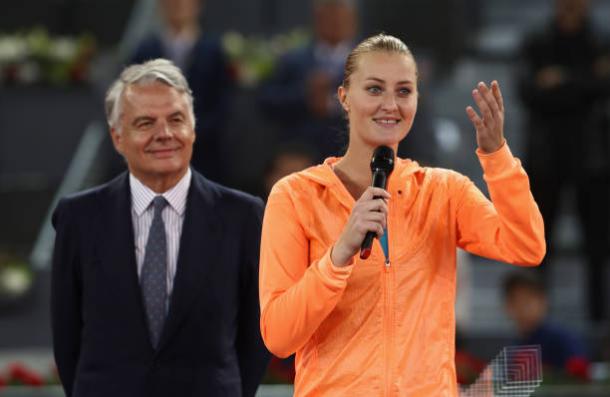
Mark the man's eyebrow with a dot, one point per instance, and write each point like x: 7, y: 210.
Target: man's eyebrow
x: 176, y: 113
x: 141, y: 118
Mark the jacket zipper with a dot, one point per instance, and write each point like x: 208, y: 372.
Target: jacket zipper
x: 388, y: 317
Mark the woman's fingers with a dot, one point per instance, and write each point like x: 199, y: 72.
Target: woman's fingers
x: 368, y: 215
x: 378, y: 205
x: 495, y: 88
x: 489, y: 121
x: 490, y: 99
x: 371, y: 210
x: 484, y: 108
x: 474, y: 118
x: 491, y: 107
x: 372, y: 192
x: 374, y: 217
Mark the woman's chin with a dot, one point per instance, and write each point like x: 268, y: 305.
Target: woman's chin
x: 390, y: 140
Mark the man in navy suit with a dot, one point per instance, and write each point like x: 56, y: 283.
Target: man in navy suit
x: 301, y: 95
x: 155, y: 274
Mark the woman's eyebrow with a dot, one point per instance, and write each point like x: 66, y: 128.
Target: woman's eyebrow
x: 383, y: 81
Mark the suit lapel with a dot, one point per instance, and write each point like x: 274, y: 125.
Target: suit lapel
x: 198, y: 252
x: 118, y: 249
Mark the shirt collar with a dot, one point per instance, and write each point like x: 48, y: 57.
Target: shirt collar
x: 142, y: 195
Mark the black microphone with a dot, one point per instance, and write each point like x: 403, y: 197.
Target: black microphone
x: 382, y: 165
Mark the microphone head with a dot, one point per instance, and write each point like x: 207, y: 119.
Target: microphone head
x: 383, y: 160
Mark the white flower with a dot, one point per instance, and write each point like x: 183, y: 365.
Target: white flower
x: 15, y: 280
x: 12, y: 49
x: 63, y: 49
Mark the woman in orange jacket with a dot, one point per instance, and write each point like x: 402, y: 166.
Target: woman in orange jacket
x: 385, y: 326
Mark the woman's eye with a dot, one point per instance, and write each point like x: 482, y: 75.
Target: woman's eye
x: 374, y: 89
x: 404, y: 91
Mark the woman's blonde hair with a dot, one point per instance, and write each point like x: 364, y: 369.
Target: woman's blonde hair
x: 376, y: 43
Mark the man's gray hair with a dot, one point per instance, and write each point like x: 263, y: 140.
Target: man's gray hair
x: 160, y: 70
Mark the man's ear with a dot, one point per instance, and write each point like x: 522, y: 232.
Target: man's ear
x: 342, y: 95
x: 117, y: 139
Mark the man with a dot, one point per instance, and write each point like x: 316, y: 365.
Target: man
x: 154, y: 280
x: 564, y: 83
x: 201, y: 57
x: 301, y: 94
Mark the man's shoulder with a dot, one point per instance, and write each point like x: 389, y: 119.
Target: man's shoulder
x: 82, y: 204
x: 85, y: 198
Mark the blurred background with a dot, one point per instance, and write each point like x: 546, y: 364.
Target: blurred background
x: 264, y: 73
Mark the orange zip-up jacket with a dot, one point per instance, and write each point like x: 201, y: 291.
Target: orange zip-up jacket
x: 371, y: 329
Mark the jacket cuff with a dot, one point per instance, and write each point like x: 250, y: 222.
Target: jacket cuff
x: 497, y: 163
x: 332, y: 273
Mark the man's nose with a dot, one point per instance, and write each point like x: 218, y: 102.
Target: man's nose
x: 164, y: 131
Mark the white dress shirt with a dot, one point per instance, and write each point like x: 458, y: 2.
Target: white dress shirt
x: 142, y: 213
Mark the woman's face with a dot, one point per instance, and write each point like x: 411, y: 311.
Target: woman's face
x: 381, y: 100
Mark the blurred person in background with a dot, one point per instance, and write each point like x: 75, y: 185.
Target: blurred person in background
x: 526, y: 302
x: 564, y: 80
x: 286, y: 159
x: 155, y: 274
x: 301, y: 94
x: 201, y: 57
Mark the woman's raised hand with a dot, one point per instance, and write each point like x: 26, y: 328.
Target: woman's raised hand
x: 490, y: 123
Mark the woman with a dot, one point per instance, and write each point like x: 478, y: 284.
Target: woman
x: 367, y: 327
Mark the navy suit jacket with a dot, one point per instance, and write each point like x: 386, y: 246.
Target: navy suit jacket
x: 210, y: 344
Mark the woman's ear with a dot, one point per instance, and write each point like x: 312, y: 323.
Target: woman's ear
x: 342, y: 95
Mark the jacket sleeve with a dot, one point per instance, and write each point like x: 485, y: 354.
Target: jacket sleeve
x: 252, y: 354
x: 66, y: 320
x: 510, y: 227
x: 296, y: 296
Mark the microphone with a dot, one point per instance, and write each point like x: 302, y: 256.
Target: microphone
x: 382, y: 165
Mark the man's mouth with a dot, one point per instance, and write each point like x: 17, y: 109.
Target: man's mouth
x: 163, y: 152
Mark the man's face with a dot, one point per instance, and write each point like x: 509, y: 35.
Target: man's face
x: 157, y: 132
x: 335, y: 23
x: 180, y: 12
x: 571, y: 14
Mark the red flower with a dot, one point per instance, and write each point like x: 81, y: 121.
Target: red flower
x: 579, y: 368
x: 467, y: 367
x: 18, y: 373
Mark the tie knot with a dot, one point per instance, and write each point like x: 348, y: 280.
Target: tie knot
x: 159, y: 202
